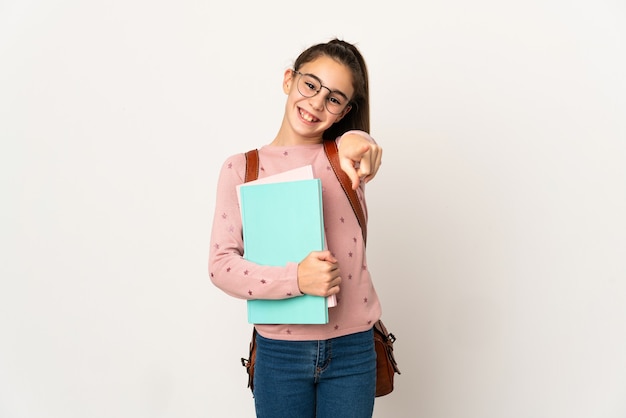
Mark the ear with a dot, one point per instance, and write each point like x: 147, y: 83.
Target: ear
x: 344, y: 113
x: 287, y: 81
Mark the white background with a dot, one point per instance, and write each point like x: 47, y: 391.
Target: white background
x: 497, y: 222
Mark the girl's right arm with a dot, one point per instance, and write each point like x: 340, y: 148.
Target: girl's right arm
x: 228, y: 270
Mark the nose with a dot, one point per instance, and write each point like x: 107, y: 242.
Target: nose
x: 318, y: 101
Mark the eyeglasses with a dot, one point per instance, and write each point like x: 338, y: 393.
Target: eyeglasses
x: 309, y: 86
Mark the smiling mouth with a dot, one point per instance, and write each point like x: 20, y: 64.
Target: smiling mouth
x: 307, y: 116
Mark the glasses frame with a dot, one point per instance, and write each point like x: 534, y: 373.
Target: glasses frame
x: 348, y: 102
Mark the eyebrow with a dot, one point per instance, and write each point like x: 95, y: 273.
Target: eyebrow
x: 322, y: 84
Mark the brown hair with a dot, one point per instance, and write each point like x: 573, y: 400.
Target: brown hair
x: 347, y: 54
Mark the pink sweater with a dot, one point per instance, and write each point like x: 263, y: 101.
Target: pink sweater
x: 358, y: 306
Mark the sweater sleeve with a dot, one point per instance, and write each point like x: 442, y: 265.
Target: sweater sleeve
x: 228, y: 270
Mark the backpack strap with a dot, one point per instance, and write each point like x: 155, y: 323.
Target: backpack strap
x: 333, y: 157
x: 332, y: 153
x: 252, y: 165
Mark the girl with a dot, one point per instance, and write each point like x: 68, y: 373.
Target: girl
x: 311, y: 370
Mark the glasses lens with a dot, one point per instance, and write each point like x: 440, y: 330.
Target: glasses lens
x: 335, y: 103
x: 308, y: 86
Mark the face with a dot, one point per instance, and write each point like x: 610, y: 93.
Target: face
x: 309, y: 116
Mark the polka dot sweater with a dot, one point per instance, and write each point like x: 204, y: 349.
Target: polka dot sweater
x: 357, y: 307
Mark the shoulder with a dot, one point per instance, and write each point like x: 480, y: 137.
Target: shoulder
x: 361, y: 134
x: 234, y: 166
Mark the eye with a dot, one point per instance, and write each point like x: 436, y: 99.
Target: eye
x: 336, y: 100
x: 310, y: 85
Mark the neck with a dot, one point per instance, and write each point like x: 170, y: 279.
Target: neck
x: 287, y: 137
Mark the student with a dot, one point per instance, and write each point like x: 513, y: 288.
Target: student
x: 311, y: 370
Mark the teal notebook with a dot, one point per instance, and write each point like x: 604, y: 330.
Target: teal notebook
x: 283, y: 222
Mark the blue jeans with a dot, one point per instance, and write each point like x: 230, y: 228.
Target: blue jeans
x: 323, y: 379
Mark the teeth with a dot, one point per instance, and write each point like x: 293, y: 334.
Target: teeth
x: 306, y: 116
